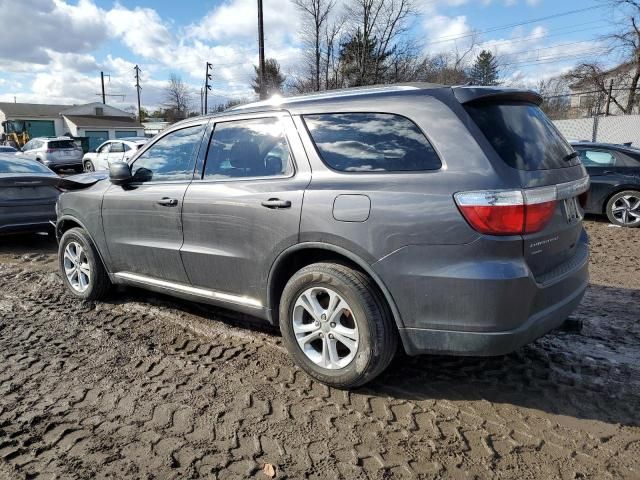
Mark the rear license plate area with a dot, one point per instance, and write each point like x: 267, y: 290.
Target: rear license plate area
x: 572, y: 211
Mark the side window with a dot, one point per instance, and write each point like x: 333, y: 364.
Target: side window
x: 371, y: 142
x: 125, y: 147
x: 104, y: 148
x: 116, y: 147
x: 597, y: 158
x: 170, y: 158
x: 28, y: 146
x: 248, y: 148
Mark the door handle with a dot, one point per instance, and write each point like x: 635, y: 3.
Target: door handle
x: 167, y: 202
x: 276, y: 203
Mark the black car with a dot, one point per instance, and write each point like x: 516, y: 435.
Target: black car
x: 7, y: 149
x: 615, y: 181
x: 28, y: 195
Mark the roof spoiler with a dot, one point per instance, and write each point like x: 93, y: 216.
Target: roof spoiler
x: 495, y: 95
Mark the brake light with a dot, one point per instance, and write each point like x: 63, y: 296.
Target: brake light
x: 513, y: 212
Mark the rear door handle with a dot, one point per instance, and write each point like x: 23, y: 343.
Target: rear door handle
x: 167, y: 202
x: 276, y: 203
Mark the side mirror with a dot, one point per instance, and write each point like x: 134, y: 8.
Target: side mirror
x: 120, y: 173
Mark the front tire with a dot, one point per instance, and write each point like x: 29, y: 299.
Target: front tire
x: 81, y: 267
x: 623, y: 209
x: 336, y: 325
x: 88, y: 166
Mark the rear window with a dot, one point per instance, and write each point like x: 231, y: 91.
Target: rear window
x: 523, y: 136
x: 371, y: 142
x: 19, y: 165
x: 61, y: 144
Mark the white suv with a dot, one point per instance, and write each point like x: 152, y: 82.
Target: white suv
x: 54, y: 152
x: 119, y: 150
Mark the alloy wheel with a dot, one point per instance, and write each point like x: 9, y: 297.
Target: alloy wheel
x: 626, y: 209
x: 325, y: 328
x: 76, y: 267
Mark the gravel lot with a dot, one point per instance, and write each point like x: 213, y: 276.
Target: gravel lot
x: 143, y: 386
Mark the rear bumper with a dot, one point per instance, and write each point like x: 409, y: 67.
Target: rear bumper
x: 463, y: 300
x: 422, y: 340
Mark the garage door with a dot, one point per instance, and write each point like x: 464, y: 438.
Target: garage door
x: 96, y: 137
x: 41, y: 128
x: 125, y: 133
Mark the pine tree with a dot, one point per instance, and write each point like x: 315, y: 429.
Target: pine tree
x: 273, y: 78
x: 485, y: 69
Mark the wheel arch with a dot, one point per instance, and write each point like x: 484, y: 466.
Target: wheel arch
x: 303, y: 254
x: 67, y: 222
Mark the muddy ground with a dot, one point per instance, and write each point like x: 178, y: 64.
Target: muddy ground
x: 143, y: 386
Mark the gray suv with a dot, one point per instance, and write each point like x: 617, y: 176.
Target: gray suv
x: 448, y: 220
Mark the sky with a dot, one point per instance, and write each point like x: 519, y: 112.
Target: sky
x: 54, y: 51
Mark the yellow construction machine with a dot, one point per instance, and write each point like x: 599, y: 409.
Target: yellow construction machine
x: 15, y: 133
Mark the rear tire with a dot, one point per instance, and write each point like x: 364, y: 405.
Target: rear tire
x: 350, y: 337
x: 623, y: 209
x: 81, y: 267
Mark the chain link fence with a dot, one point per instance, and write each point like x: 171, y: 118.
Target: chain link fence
x: 595, y: 116
x: 612, y: 129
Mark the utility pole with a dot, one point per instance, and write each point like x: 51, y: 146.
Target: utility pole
x: 606, y: 108
x: 207, y: 87
x: 263, y: 90
x: 104, y: 100
x: 138, y: 88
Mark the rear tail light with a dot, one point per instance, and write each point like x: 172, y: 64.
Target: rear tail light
x: 514, y: 212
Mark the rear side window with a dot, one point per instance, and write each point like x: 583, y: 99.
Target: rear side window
x: 248, y: 148
x: 597, y: 158
x: 61, y: 144
x: 371, y: 142
x: 18, y: 165
x: 523, y: 136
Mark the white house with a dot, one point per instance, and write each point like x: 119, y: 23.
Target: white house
x: 588, y: 99
x: 96, y: 121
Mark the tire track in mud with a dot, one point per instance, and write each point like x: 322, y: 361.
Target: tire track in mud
x: 145, y: 386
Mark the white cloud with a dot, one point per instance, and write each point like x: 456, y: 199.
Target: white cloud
x: 444, y: 33
x: 34, y: 27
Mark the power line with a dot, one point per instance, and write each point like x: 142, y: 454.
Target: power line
x: 448, y: 38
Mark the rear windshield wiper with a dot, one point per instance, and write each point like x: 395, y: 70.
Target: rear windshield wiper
x: 571, y: 156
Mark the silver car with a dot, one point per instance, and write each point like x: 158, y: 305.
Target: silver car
x: 54, y: 152
x: 119, y: 150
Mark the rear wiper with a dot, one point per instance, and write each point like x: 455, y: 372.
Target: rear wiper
x: 571, y: 156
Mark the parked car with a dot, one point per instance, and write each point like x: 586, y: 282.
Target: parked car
x: 54, y: 152
x: 615, y: 181
x: 120, y: 150
x: 7, y: 149
x: 28, y: 195
x: 448, y: 219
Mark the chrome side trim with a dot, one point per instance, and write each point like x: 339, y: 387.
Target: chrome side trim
x: 572, y: 189
x: 179, y: 287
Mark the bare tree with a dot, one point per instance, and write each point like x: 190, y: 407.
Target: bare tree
x: 556, y: 98
x: 625, y: 42
x: 177, y: 98
x: 380, y: 23
x: 315, y: 15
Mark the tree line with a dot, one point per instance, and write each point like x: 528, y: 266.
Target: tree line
x: 368, y: 42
